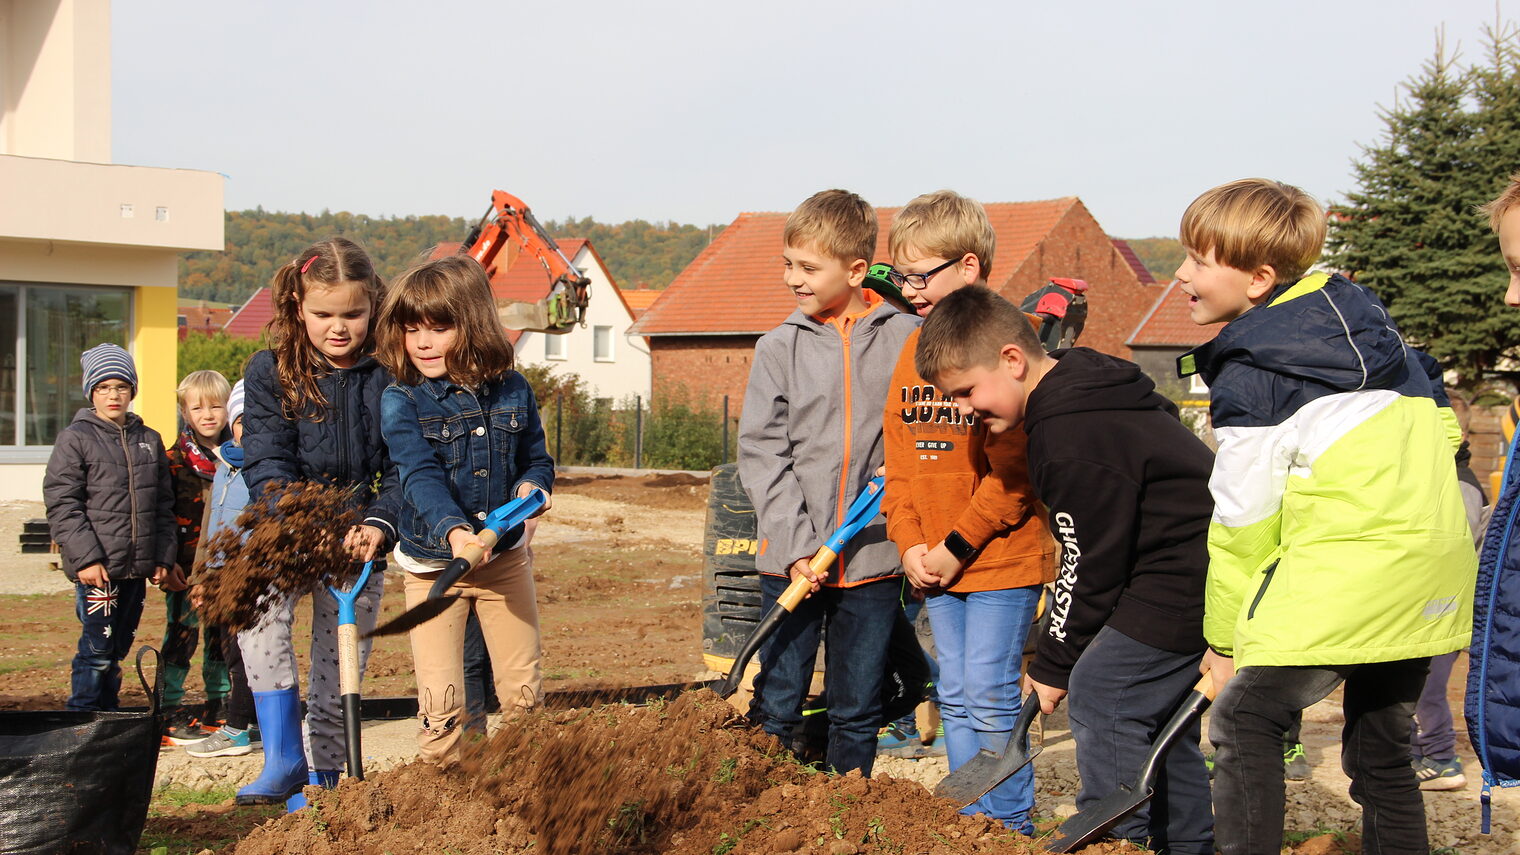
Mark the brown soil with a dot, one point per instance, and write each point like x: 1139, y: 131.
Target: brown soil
x: 674, y: 490
x: 294, y: 542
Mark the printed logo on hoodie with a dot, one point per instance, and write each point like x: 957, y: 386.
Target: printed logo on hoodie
x: 1066, y: 529
x: 926, y: 405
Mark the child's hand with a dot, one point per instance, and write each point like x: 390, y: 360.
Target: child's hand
x: 462, y: 538
x: 525, y: 489
x: 363, y: 541
x: 1219, y: 666
x: 196, y: 600
x: 803, y: 567
x: 1049, y: 696
x: 913, y: 566
x: 170, y: 579
x: 95, y: 576
x: 941, y: 564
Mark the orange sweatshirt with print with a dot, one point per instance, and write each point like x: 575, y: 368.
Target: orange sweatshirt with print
x: 946, y: 472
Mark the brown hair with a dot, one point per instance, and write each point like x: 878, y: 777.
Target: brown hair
x: 837, y: 223
x: 968, y: 328
x: 298, y: 362
x: 453, y: 290
x: 1507, y: 200
x: 943, y: 224
x: 1254, y: 222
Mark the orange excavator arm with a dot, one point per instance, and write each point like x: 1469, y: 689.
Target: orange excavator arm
x: 507, y: 223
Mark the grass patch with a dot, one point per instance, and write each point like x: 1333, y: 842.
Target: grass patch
x: 181, y: 796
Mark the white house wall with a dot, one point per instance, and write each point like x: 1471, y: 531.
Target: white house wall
x: 627, y: 373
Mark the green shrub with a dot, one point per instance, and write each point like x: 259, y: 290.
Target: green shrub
x: 218, y: 352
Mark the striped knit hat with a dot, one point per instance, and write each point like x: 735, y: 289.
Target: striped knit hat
x: 235, y: 403
x: 107, y: 362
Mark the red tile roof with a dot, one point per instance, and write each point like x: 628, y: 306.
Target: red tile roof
x: 1127, y: 252
x: 203, y: 319
x: 249, y: 320
x: 640, y: 299
x: 1168, y: 323
x: 734, y: 286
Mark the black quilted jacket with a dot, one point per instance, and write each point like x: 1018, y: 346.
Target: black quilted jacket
x: 344, y: 448
x: 109, y: 497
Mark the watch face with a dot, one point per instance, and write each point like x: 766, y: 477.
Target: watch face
x: 958, y: 546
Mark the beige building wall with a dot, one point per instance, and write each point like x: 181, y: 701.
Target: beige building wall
x: 55, y: 79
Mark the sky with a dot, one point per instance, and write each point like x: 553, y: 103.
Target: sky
x: 696, y: 111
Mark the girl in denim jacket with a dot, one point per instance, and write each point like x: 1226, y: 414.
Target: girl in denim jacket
x: 463, y: 429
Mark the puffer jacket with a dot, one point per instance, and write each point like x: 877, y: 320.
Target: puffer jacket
x: 344, y: 448
x: 109, y: 497
x: 810, y: 436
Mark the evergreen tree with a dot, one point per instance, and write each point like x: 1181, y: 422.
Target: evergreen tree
x: 1410, y: 231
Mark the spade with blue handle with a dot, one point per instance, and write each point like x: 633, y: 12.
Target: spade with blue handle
x: 348, y: 668
x: 438, y: 600
x: 860, y: 514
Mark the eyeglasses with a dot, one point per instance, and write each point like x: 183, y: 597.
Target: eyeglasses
x: 917, y: 281
x: 113, y: 391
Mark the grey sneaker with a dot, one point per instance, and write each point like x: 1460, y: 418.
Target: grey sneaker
x: 223, y: 743
x: 1439, y: 775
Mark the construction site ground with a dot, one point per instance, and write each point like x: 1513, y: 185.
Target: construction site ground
x: 619, y: 571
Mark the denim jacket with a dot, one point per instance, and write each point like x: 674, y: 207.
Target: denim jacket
x: 461, y: 454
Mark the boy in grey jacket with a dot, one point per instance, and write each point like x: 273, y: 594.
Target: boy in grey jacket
x: 110, y: 508
x: 809, y: 441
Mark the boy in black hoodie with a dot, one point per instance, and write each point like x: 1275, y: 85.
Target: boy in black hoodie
x: 1127, y: 488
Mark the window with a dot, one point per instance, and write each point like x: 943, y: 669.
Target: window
x: 554, y: 346
x: 601, y: 344
x: 43, y: 329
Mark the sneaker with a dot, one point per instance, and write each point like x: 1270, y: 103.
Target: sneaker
x: 1295, y: 764
x: 213, y: 717
x: 223, y: 743
x: 1439, y: 774
x: 899, y: 741
x: 182, y: 727
x: 1208, y: 763
x: 936, y: 746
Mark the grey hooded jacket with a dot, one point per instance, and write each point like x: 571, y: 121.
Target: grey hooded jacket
x: 109, y: 497
x: 810, y: 437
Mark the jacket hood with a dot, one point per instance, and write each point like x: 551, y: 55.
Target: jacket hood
x: 88, y: 414
x: 1084, y: 380
x: 878, y: 311
x: 1324, y: 329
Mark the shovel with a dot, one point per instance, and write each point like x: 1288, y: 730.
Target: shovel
x: 438, y: 600
x: 348, y: 668
x: 856, y: 518
x: 1094, y: 821
x: 979, y: 775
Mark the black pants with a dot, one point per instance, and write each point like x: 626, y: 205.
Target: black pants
x: 239, y: 710
x: 479, y: 683
x: 1256, y: 709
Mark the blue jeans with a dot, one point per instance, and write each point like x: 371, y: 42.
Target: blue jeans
x: 108, y: 618
x: 1122, y: 692
x: 979, y: 644
x: 1255, y: 708
x: 859, y: 626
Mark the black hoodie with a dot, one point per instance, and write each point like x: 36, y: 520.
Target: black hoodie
x: 1128, y: 490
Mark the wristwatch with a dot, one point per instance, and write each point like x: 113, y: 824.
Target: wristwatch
x: 959, y: 547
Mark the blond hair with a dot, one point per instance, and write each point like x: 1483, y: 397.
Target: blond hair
x: 1254, y: 222
x: 453, y: 290
x: 1500, y: 206
x: 943, y: 224
x: 968, y: 329
x: 207, y: 385
x: 837, y: 223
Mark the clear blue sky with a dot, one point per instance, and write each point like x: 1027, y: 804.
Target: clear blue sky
x: 695, y: 111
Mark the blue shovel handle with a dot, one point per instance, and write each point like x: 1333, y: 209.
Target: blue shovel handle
x: 859, y: 515
x: 346, y: 599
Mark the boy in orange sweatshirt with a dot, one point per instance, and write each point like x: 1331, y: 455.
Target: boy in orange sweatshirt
x: 960, y: 509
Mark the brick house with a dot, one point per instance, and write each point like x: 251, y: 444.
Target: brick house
x: 1166, y: 332
x: 702, y: 330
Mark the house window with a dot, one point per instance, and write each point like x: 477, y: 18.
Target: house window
x: 554, y: 346
x: 1196, y: 384
x: 43, y: 329
x: 601, y: 344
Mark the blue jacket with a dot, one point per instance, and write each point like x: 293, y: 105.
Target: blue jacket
x: 344, y: 448
x: 461, y: 454
x: 1492, y: 709
x: 229, y: 492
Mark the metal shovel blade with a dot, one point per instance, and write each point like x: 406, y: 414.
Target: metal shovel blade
x: 979, y: 775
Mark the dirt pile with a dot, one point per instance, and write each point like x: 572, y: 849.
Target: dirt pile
x: 294, y: 542
x: 682, y: 778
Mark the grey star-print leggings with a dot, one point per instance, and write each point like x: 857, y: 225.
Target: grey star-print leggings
x: 269, y: 657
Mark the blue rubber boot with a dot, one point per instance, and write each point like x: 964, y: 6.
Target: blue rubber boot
x: 323, y: 778
x: 284, y: 774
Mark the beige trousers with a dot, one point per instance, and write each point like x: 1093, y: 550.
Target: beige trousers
x: 501, y: 592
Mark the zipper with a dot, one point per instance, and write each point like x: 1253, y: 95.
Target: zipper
x: 1260, y: 592
x: 132, y: 496
x: 843, y: 501
x: 340, y: 403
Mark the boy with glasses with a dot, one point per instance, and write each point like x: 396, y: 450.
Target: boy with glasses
x: 959, y: 507
x: 110, y: 509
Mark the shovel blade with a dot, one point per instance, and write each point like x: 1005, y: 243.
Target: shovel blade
x: 413, y: 617
x: 1084, y: 829
x: 982, y: 773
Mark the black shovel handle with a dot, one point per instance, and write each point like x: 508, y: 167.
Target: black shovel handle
x: 435, y: 604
